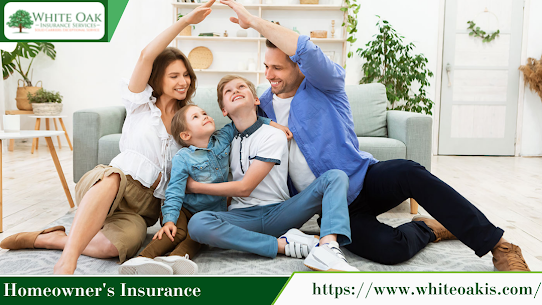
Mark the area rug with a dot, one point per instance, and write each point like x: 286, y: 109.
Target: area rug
x: 443, y: 256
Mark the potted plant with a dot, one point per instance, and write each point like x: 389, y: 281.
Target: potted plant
x: 388, y: 60
x: 46, y: 102
x: 11, y: 62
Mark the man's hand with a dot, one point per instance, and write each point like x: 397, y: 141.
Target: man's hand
x: 199, y: 13
x: 244, y: 18
x: 285, y: 129
x: 169, y: 228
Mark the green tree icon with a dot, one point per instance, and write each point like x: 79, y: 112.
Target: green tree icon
x: 21, y: 19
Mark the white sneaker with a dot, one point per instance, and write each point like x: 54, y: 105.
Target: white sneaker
x: 144, y: 265
x: 179, y: 264
x: 328, y: 257
x: 299, y: 244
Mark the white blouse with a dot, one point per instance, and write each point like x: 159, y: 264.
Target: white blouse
x: 146, y: 148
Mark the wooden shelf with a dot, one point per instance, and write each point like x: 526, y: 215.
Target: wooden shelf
x: 209, y: 38
x: 228, y: 71
x: 304, y: 7
x: 19, y: 112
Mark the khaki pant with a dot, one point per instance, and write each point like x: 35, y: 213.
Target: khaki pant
x: 182, y: 243
x: 134, y: 209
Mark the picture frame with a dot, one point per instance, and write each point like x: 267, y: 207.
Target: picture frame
x: 330, y: 55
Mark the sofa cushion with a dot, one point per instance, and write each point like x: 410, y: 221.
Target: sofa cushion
x: 383, y: 148
x: 108, y: 148
x: 206, y: 99
x: 368, y: 103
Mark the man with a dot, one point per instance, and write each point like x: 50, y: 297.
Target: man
x: 307, y: 95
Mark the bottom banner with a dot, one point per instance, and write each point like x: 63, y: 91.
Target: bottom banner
x: 140, y: 290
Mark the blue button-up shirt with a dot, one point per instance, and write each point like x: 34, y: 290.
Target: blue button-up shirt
x: 205, y: 165
x: 321, y: 118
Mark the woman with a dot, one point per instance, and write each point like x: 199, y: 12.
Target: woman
x: 117, y: 203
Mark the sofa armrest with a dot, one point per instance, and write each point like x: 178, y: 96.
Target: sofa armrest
x: 413, y: 129
x: 89, y: 125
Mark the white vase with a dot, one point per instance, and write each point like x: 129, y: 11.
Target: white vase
x: 242, y: 33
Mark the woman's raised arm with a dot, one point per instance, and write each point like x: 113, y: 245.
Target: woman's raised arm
x: 142, y: 71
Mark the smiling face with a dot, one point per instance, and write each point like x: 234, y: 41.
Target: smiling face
x: 176, y: 81
x: 199, y: 125
x: 283, y: 75
x: 238, y: 96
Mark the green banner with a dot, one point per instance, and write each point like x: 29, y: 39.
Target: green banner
x: 140, y: 290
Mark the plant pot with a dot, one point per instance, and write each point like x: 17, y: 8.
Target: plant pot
x: 47, y: 108
x: 22, y: 95
x: 187, y: 31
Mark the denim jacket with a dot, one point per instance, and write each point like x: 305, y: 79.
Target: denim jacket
x: 205, y: 165
x: 321, y: 118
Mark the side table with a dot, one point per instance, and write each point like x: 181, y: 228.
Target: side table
x: 26, y: 134
x: 38, y: 118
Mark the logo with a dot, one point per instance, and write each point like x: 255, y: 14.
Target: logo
x: 21, y: 20
x: 54, y: 20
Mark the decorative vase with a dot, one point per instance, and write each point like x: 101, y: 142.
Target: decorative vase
x: 22, y: 95
x: 47, y: 108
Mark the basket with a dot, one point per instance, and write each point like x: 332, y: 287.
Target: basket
x: 200, y: 58
x: 22, y: 95
x: 318, y: 34
x: 47, y: 108
x: 308, y: 1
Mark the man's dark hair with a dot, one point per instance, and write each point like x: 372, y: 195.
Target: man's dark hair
x: 271, y: 45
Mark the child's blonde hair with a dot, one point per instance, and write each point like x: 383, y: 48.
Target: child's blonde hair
x: 178, y: 125
x: 228, y: 78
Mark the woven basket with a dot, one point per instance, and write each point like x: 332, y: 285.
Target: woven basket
x: 308, y: 1
x: 200, y: 58
x: 22, y: 95
x: 47, y: 108
x: 319, y: 34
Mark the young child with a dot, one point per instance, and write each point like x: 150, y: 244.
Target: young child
x: 204, y: 158
x: 262, y: 211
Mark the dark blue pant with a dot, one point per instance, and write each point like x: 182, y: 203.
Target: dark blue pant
x: 389, y: 183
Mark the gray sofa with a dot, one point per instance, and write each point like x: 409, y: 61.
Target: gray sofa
x: 385, y: 134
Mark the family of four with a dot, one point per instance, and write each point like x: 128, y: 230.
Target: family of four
x: 292, y: 153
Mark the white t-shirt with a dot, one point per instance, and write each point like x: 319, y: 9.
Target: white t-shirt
x: 299, y: 170
x: 265, y: 143
x: 145, y: 146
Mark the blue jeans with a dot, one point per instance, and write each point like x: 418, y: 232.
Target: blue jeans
x: 255, y: 229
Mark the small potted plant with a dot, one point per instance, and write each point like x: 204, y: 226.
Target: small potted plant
x: 46, y: 102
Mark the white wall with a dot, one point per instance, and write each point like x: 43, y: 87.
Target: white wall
x: 532, y: 107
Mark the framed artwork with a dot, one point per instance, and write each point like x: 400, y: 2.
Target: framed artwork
x: 330, y: 55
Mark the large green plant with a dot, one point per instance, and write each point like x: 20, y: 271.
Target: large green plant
x: 390, y: 61
x: 11, y: 61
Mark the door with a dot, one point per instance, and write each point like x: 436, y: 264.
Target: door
x: 480, y: 80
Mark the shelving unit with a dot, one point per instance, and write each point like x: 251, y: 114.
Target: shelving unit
x: 260, y: 8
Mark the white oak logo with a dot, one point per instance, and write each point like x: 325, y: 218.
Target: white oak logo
x: 54, y: 20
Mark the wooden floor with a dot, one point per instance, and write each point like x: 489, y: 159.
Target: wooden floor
x: 507, y: 190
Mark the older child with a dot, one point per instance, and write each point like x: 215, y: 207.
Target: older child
x: 205, y: 158
x: 262, y: 209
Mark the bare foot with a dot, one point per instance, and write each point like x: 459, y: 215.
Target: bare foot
x: 52, y: 240
x: 62, y: 268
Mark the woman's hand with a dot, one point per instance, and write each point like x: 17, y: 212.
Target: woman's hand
x: 169, y: 228
x: 285, y: 129
x: 199, y: 13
